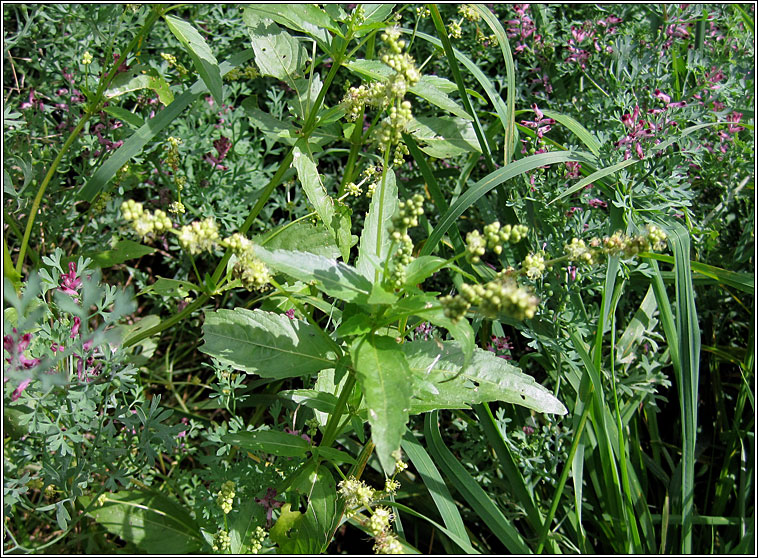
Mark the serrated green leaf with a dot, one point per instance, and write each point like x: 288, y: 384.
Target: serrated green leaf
x: 383, y: 374
x: 287, y: 520
x: 375, y: 240
x: 428, y: 308
x: 270, y: 126
x: 269, y: 441
x: 126, y: 82
x: 307, y: 91
x: 427, y: 89
x: 335, y: 456
x: 322, y: 509
x: 441, y: 379
x: 250, y: 515
x: 421, y: 268
x: 306, y: 18
x: 307, y: 173
x: 124, y: 250
x: 311, y: 398
x: 202, y: 57
x: 444, y: 137
x: 270, y: 345
x: 302, y: 237
x: 374, y: 16
x: 170, y: 287
x: 277, y: 53
x: 332, y: 277
x: 149, y: 520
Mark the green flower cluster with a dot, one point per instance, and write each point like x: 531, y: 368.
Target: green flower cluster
x: 173, y: 63
x: 468, y: 12
x: 225, y: 496
x: 247, y: 72
x: 380, y: 520
x: 494, y: 238
x: 256, y: 540
x: 387, y: 94
x: 406, y: 217
x: 534, y: 265
x: 356, y: 493
x: 502, y: 295
x: 221, y: 541
x: 629, y: 246
x: 407, y: 74
x: 172, y: 152
x: 251, y: 271
x: 144, y: 222
x: 380, y: 525
x: 199, y: 236
x: 455, y: 30
x: 370, y: 173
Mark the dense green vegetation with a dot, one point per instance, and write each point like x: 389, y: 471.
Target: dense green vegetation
x: 395, y: 278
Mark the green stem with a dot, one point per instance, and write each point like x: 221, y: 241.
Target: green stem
x: 168, y: 322
x: 564, y: 477
x: 332, y: 426
x: 43, y: 187
x: 442, y: 33
x: 93, y: 108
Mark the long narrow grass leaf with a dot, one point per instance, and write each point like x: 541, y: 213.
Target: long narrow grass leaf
x: 137, y: 141
x: 489, y: 182
x: 462, y: 543
x: 477, y: 498
x: 453, y: 63
x: 688, y: 333
x: 510, y: 80
x: 436, y: 486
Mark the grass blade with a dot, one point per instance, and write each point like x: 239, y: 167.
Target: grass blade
x: 510, y: 77
x: 471, y: 491
x: 511, y: 471
x: 688, y: 333
x: 137, y: 141
x: 451, y: 58
x: 584, y: 135
x: 436, y: 486
x: 489, y: 182
x: 455, y: 538
x: 742, y: 281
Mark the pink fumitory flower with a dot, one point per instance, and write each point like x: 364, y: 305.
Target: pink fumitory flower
x: 222, y: 146
x: 269, y: 503
x: 70, y: 283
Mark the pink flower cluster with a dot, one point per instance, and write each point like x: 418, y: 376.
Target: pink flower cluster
x: 590, y: 31
x: 542, y: 126
x: 222, y: 146
x: 424, y: 329
x: 641, y: 131
x: 70, y: 283
x: 499, y: 346
x: 16, y: 346
x: 522, y: 27
x: 725, y: 136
